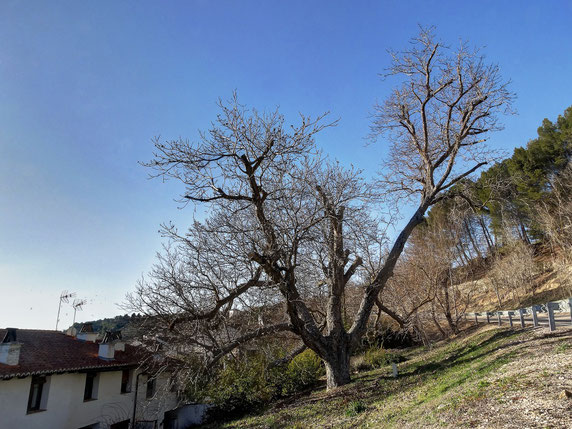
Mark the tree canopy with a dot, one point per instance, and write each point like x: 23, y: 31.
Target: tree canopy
x: 288, y: 230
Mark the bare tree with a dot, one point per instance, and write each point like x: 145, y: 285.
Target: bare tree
x: 437, y: 122
x: 554, y: 215
x: 288, y: 231
x: 513, y: 273
x: 274, y: 238
x: 431, y: 281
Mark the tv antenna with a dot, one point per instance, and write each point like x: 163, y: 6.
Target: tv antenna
x: 64, y: 297
x: 77, y: 305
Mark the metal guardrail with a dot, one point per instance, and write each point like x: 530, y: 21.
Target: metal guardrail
x: 536, y: 312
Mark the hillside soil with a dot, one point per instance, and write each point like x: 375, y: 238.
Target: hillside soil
x: 552, y: 282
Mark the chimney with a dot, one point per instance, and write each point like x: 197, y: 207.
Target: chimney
x: 111, y: 342
x: 106, y: 351
x: 10, y: 348
x: 86, y: 333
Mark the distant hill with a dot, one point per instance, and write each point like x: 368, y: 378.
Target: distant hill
x: 116, y: 323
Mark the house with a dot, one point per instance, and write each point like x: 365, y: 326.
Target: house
x: 49, y: 379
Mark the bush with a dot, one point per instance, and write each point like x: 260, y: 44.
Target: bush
x: 377, y: 357
x: 386, y: 334
x: 241, y: 385
x: 355, y: 408
x: 303, y: 371
x: 244, y: 384
x: 513, y: 272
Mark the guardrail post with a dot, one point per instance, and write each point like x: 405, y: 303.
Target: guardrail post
x: 510, y: 313
x: 551, y: 321
x: 534, y: 316
x: 489, y: 317
x: 521, y: 314
x: 499, y: 317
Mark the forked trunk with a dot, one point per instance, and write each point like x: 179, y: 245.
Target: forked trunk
x: 338, y: 368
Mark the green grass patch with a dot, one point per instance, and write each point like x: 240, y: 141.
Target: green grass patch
x: 562, y: 347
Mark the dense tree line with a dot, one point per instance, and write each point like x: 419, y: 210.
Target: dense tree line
x: 124, y: 323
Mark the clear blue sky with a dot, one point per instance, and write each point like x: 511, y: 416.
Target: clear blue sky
x: 84, y: 86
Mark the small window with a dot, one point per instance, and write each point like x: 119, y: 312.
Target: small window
x: 126, y: 376
x: 151, y: 384
x: 38, y: 394
x: 120, y: 425
x: 91, y: 385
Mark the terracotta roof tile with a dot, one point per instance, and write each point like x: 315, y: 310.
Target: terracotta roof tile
x: 46, y: 352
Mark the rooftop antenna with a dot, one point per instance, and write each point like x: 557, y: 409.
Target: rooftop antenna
x: 64, y: 297
x: 77, y: 305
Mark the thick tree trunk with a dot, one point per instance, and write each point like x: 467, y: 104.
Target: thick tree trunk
x: 338, y: 368
x: 447, y: 308
x: 372, y: 291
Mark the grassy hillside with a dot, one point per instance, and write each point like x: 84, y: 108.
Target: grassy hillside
x: 488, y: 377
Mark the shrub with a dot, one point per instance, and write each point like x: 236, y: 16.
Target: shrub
x: 303, y: 371
x: 378, y: 357
x: 355, y: 408
x: 513, y: 272
x: 386, y: 334
x: 359, y: 364
x: 244, y: 384
x: 241, y: 385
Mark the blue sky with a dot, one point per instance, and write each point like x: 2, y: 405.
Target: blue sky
x: 85, y: 86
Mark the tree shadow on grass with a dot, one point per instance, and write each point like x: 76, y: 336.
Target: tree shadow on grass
x: 460, y: 357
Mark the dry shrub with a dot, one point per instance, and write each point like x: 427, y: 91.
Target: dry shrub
x: 513, y: 272
x: 554, y: 216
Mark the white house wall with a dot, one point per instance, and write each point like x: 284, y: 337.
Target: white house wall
x: 67, y: 409
x: 163, y: 400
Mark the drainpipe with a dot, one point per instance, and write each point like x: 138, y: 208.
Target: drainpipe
x: 135, y: 399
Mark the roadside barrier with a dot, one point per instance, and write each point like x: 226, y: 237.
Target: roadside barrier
x: 551, y: 314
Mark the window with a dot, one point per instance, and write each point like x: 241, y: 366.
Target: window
x: 38, y: 394
x: 126, y: 376
x: 91, y: 385
x: 146, y: 424
x: 120, y: 425
x: 151, y: 384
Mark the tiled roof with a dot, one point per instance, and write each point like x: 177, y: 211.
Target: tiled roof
x: 48, y: 352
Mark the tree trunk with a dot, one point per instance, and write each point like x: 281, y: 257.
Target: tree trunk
x: 436, y: 322
x: 338, y: 368
x: 373, y: 290
x: 447, y: 308
x: 498, y: 294
x: 524, y: 234
x: 472, y: 239
x: 487, y: 235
